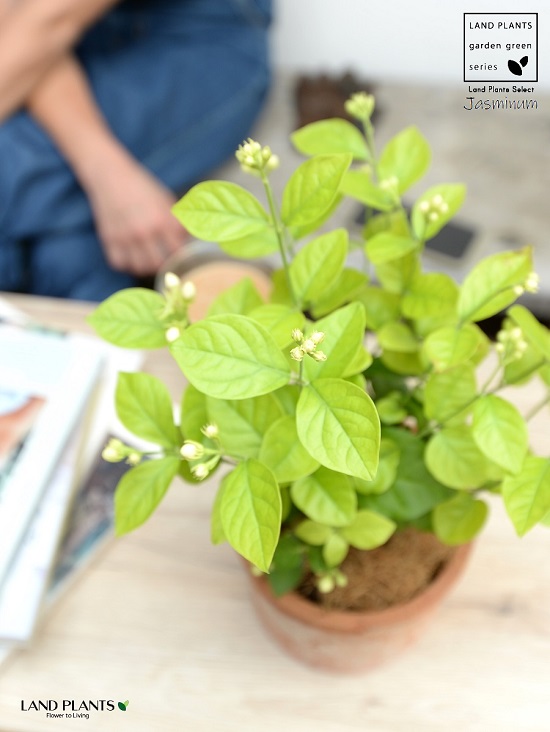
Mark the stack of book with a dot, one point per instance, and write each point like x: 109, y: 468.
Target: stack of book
x: 56, y: 409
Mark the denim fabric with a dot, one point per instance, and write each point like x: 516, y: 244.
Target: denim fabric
x: 180, y: 83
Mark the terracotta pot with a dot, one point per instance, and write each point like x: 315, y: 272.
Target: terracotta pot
x: 351, y: 642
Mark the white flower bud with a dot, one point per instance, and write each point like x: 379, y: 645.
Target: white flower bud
x: 273, y: 163
x: 266, y: 152
x: 191, y: 450
x: 532, y: 282
x: 437, y: 200
x: 200, y: 471
x: 318, y: 356
x: 516, y: 333
x: 114, y: 451
x: 341, y: 579
x: 134, y: 458
x: 172, y: 334
x: 188, y: 291
x: 297, y: 335
x: 171, y: 281
x: 424, y: 206
x: 211, y: 431
x: 444, y: 207
x: 317, y: 337
x: 500, y: 347
x: 433, y: 216
x: 519, y: 290
x: 297, y: 354
x: 325, y: 584
x: 308, y: 346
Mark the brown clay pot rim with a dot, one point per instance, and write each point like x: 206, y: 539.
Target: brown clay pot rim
x: 350, y: 621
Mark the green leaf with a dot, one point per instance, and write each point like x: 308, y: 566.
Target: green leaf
x: 415, y: 492
x: 448, y: 347
x: 522, y: 370
x: 316, y: 266
x: 346, y: 288
x: 344, y: 334
x: 386, y: 473
x: 452, y: 197
x: 536, y: 334
x: 244, y: 422
x: 131, y: 319
x: 489, y: 287
x: 398, y: 337
x: 406, y: 156
x: 428, y: 295
x: 380, y: 307
x: 325, y: 497
x: 194, y: 414
x: 335, y: 550
x: 500, y: 432
x: 284, y: 454
x: 313, y: 533
x: 288, y: 565
x: 527, y: 495
x: 259, y: 244
x: 396, y: 275
x: 338, y: 425
x: 460, y: 519
x: 390, y: 408
x: 312, y: 188
x: 217, y: 535
x: 144, y: 406
x: 448, y: 394
x: 408, y: 364
x: 358, y: 185
x: 385, y: 247
x: 231, y: 357
x: 140, y: 491
x: 251, y: 512
x: 279, y: 321
x: 241, y: 298
x: 368, y: 530
x: 330, y: 137
x: 220, y: 211
x: 298, y: 232
x: 287, y: 398
x: 454, y: 459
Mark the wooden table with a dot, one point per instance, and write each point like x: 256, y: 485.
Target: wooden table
x: 163, y: 619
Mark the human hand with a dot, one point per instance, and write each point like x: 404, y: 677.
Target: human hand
x: 132, y: 215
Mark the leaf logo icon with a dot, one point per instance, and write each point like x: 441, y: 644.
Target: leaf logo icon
x: 517, y: 69
x: 122, y: 705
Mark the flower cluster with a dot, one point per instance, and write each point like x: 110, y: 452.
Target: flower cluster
x: 307, y: 346
x: 360, y: 106
x: 511, y: 344
x: 531, y: 284
x: 116, y: 451
x: 434, y: 207
x: 203, y: 459
x: 179, y: 295
x: 254, y: 158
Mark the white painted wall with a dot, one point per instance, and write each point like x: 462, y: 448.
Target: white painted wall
x: 419, y: 40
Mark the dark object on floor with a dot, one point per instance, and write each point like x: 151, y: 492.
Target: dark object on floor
x: 323, y: 96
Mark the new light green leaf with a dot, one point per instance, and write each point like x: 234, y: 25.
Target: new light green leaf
x: 448, y: 347
x: 344, y: 334
x: 527, y: 495
x: 194, y: 414
x: 279, y: 321
x: 325, y: 497
x: 144, y: 406
x: 346, y: 288
x: 284, y: 454
x: 140, y: 491
x: 536, y: 334
x: 406, y: 157
x: 380, y: 307
x: 429, y: 295
x: 217, y: 535
x: 330, y: 137
x: 317, y: 264
x: 335, y: 550
x: 358, y: 185
x: 250, y: 512
x: 386, y: 473
x: 312, y: 189
x: 500, y: 432
x: 452, y: 197
x: 489, y: 287
x: 231, y: 357
x: 448, y: 394
x: 385, y: 247
x: 220, y: 211
x: 241, y: 298
x: 313, y: 533
x: 368, y: 530
x: 453, y: 457
x: 398, y: 337
x: 131, y: 319
x: 460, y: 519
x: 338, y: 424
x: 243, y: 423
x: 259, y: 244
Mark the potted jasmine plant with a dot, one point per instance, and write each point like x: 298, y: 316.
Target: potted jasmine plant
x: 353, y: 441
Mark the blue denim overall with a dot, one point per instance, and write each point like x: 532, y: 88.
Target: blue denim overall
x: 180, y: 83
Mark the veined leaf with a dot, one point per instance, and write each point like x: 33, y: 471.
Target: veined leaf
x: 231, y: 357
x: 316, y: 266
x: 448, y: 347
x: 500, y: 432
x: 368, y: 530
x: 131, y: 319
x: 241, y: 298
x: 144, y: 406
x: 259, y: 244
x: 527, y: 495
x: 453, y: 457
x: 220, y: 211
x: 448, y: 394
x: 406, y: 156
x: 460, y: 519
x: 385, y: 247
x: 380, y: 307
x: 250, y: 512
x: 330, y: 137
x: 345, y: 332
x: 428, y: 295
x: 283, y: 452
x: 194, y: 414
x: 339, y: 426
x: 325, y: 497
x: 346, y: 288
x: 279, y: 321
x: 358, y: 185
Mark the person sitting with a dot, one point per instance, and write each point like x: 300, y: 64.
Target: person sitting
x: 108, y: 110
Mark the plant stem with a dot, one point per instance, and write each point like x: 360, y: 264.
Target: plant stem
x: 536, y: 409
x: 279, y: 233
